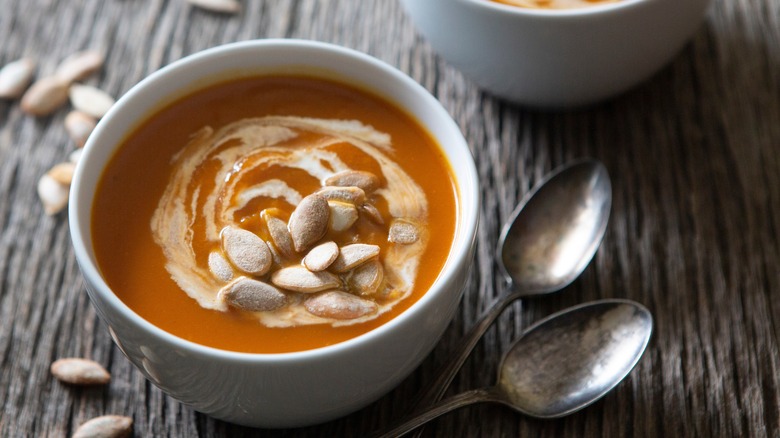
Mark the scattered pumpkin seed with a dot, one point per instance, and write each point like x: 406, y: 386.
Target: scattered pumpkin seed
x: 15, y: 77
x: 45, y: 96
x: 78, y: 371
x: 79, y: 66
x: 79, y: 126
x: 90, y: 100
x: 106, y: 426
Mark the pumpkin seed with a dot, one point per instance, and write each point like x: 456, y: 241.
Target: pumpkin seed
x: 342, y: 215
x: 339, y: 305
x: 79, y: 66
x: 366, y: 278
x: 15, y: 77
x: 321, y: 256
x: 356, y: 178
x: 45, y: 96
x: 79, y: 125
x: 373, y: 213
x: 309, y: 222
x: 79, y: 371
x: 403, y: 232
x: 90, y: 100
x: 53, y: 195
x: 352, y: 195
x: 220, y: 267
x: 252, y: 295
x: 248, y: 252
x: 106, y: 426
x: 222, y: 6
x: 300, y: 279
x: 351, y: 256
x: 62, y: 172
x: 280, y: 235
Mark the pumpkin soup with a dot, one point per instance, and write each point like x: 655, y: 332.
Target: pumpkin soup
x: 274, y: 214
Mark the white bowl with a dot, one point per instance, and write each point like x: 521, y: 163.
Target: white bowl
x: 291, y: 389
x: 557, y: 58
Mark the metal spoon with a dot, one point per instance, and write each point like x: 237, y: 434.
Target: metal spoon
x: 561, y: 364
x: 548, y: 241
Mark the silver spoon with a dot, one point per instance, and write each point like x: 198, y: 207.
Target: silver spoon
x: 560, y: 364
x: 548, y: 241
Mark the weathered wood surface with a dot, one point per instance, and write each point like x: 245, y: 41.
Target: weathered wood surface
x: 694, y: 154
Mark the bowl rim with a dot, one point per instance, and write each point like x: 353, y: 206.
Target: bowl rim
x: 585, y: 11
x: 467, y: 195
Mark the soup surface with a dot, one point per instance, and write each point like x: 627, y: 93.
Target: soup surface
x: 274, y: 214
x: 555, y: 4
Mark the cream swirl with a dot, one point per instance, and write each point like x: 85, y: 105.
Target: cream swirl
x: 220, y: 179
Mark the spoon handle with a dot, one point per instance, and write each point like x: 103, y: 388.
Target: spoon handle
x: 414, y: 421
x: 445, y: 375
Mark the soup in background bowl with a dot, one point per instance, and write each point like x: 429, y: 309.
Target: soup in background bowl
x: 203, y: 193
x: 555, y: 4
x: 557, y: 58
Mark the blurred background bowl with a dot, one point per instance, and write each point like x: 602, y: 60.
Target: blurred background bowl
x: 557, y: 58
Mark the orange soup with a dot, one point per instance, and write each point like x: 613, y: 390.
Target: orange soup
x: 555, y: 4
x: 274, y: 214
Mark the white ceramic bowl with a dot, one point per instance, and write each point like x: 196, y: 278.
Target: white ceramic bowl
x: 292, y: 389
x: 557, y: 58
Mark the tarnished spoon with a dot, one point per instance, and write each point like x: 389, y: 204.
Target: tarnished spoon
x: 548, y: 241
x: 561, y: 364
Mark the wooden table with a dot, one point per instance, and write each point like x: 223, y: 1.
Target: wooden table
x: 694, y: 156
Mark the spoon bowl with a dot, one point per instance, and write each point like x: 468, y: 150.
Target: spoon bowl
x: 561, y: 364
x: 554, y: 232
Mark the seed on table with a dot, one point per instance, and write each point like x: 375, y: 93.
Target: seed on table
x: 106, y: 426
x: 63, y: 172
x: 223, y: 6
x: 403, y: 232
x: 351, y: 256
x: 246, y: 250
x: 280, y: 235
x: 75, y: 156
x: 15, y: 77
x: 79, y: 66
x: 321, y: 256
x: 339, y: 305
x: 342, y: 215
x: 366, y: 279
x: 79, y: 126
x: 353, y: 195
x: 220, y: 267
x: 45, y: 96
x: 53, y: 195
x: 355, y: 178
x: 309, y: 221
x: 90, y: 100
x: 78, y: 371
x: 300, y: 279
x: 373, y: 213
x: 252, y: 295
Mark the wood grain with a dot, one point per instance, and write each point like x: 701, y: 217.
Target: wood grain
x: 694, y: 154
